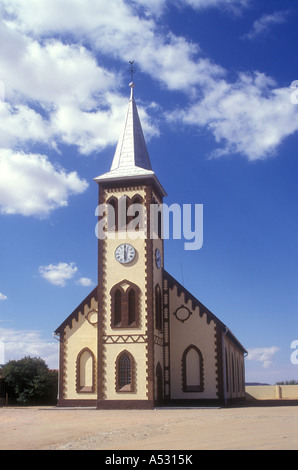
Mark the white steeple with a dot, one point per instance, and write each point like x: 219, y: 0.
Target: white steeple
x: 131, y: 150
x: 131, y: 158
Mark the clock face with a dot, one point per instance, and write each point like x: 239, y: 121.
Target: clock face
x: 125, y: 253
x: 158, y: 258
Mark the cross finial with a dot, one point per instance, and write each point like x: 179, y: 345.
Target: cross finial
x: 132, y: 69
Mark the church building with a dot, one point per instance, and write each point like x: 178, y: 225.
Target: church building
x: 140, y: 339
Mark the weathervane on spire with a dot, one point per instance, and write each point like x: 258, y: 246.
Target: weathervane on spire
x: 132, y: 70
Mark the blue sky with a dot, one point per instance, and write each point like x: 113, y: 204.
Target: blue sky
x: 221, y: 123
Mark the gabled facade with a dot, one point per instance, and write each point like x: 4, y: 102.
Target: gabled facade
x: 141, y: 339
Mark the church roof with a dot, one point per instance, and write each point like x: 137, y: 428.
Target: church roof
x: 131, y: 159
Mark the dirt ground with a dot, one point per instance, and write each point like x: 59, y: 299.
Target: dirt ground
x: 243, y: 428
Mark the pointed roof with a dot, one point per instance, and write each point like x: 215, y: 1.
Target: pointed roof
x: 131, y: 159
x: 131, y: 150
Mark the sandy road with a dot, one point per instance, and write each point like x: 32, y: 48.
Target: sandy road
x: 243, y: 428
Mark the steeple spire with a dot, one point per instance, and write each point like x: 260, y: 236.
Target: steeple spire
x: 131, y: 151
x: 131, y: 159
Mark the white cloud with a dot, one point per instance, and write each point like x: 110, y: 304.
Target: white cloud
x: 90, y: 131
x: 112, y: 28
x: 58, y: 274
x: 263, y: 24
x: 52, y: 72
x: 2, y: 296
x: 31, y: 185
x: 85, y: 282
x: 250, y: 117
x: 60, y: 94
x: 19, y: 343
x: 234, y: 5
x: 78, y: 99
x: 264, y: 355
x: 21, y: 125
x: 157, y: 7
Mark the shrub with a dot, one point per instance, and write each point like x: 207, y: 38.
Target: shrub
x: 30, y: 381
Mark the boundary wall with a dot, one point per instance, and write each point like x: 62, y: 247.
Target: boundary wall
x: 271, y: 392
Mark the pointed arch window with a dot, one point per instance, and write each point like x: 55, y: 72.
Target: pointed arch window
x: 125, y: 372
x: 117, y: 307
x: 125, y: 305
x: 131, y: 307
x: 125, y: 212
x: 112, y: 213
x: 192, y: 370
x: 157, y: 218
x: 135, y: 213
x: 85, y: 371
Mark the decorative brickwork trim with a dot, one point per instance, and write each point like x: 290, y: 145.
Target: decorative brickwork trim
x: 80, y: 309
x: 149, y: 300
x: 166, y: 340
x: 61, y: 365
x: 219, y: 363
x: 124, y: 339
x: 61, y: 332
x: 202, y: 309
x: 101, y: 310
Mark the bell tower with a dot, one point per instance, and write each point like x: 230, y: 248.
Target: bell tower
x: 130, y: 275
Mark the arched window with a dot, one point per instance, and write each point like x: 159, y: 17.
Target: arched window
x: 156, y: 219
x: 131, y: 307
x: 160, y: 228
x: 125, y: 305
x: 192, y: 370
x: 125, y: 372
x: 112, y: 214
x: 158, y: 309
x: 122, y: 212
x: 85, y: 372
x: 117, y: 307
x: 135, y: 213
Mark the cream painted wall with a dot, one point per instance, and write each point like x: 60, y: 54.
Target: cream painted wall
x: 138, y: 351
x: 271, y: 392
x: 82, y: 334
x: 194, y: 331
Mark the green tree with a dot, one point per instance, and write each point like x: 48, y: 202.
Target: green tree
x: 288, y: 382
x: 30, y: 381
